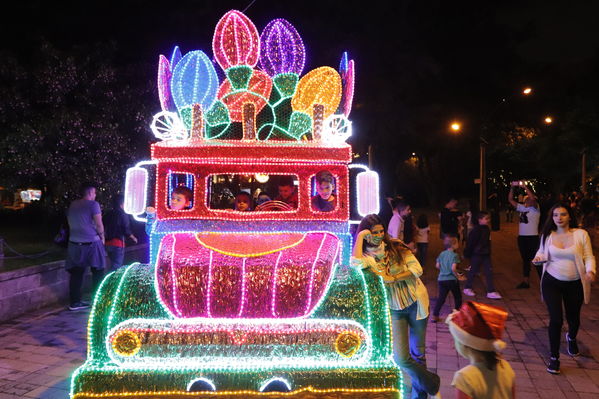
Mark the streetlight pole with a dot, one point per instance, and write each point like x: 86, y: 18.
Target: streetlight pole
x: 482, y: 194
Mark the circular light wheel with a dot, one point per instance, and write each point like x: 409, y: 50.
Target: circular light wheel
x: 336, y: 129
x: 347, y: 343
x: 167, y: 125
x: 126, y: 343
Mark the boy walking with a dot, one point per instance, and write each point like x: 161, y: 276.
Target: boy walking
x: 478, y: 250
x: 447, y: 263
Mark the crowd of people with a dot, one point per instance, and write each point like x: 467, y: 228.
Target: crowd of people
x: 396, y: 250
x: 558, y: 248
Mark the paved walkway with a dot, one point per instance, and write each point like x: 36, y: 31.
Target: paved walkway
x: 38, y: 352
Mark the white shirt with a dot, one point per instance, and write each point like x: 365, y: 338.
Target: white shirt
x: 562, y: 263
x: 396, y: 225
x: 478, y: 382
x: 422, y: 234
x: 529, y: 220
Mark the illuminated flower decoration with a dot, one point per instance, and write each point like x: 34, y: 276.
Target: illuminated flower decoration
x: 194, y: 81
x: 236, y: 41
x: 168, y: 126
x: 282, y: 49
x: 348, y: 79
x: 344, y: 62
x: 319, y: 86
x: 175, y: 57
x: 257, y: 93
x: 164, y: 85
x: 336, y: 130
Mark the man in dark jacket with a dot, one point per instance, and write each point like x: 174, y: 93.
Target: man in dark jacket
x: 478, y: 250
x: 117, y: 227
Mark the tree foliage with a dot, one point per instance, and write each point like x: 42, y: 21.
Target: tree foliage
x: 69, y: 118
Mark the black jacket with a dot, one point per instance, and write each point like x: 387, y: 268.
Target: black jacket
x: 116, y: 224
x: 479, y: 242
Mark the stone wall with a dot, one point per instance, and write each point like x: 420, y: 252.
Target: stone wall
x: 35, y: 287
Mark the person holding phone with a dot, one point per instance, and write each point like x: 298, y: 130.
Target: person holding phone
x: 528, y: 229
x: 569, y: 268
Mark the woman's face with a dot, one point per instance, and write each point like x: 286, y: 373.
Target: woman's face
x: 377, y: 234
x: 561, y: 217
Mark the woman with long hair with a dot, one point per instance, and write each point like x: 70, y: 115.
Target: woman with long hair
x: 568, y: 270
x: 408, y: 299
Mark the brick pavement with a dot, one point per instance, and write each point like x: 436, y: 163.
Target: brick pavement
x: 38, y: 352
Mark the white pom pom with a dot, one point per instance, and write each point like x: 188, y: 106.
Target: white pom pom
x: 499, y: 345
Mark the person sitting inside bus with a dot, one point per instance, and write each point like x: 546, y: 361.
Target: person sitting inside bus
x: 181, y: 198
x: 287, y: 192
x: 324, y: 200
x: 243, y: 202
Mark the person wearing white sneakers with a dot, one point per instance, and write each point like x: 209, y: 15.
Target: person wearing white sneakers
x: 569, y: 268
x: 478, y: 250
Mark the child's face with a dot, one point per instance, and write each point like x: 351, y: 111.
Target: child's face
x: 286, y: 191
x: 243, y: 204
x: 484, y: 221
x: 325, y: 190
x: 179, y: 202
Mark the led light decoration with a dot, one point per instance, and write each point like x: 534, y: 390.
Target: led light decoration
x: 194, y: 81
x: 235, y: 41
x: 164, y: 85
x: 319, y: 86
x: 166, y: 125
x: 249, y: 304
x: 282, y: 49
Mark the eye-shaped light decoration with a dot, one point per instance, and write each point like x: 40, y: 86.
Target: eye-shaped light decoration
x: 164, y: 85
x: 282, y: 49
x: 194, y: 81
x: 236, y: 41
x: 175, y: 57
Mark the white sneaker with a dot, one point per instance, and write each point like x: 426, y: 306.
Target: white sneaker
x: 494, y: 295
x: 469, y: 292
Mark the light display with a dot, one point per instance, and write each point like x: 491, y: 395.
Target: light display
x: 245, y: 304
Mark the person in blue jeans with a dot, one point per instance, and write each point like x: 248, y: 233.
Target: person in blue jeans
x: 447, y: 263
x: 118, y: 229
x: 407, y: 296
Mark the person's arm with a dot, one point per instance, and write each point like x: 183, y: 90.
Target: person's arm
x: 358, y: 250
x: 454, y: 269
x: 587, y: 256
x: 99, y: 226
x: 510, y: 197
x: 438, y: 265
x: 461, y: 395
x: 529, y: 192
x: 472, y: 241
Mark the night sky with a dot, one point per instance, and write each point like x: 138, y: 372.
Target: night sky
x: 419, y: 64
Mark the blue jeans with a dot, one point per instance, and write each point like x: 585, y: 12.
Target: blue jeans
x: 116, y: 256
x: 409, y: 346
x: 476, y: 261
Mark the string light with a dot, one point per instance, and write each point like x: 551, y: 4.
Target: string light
x: 194, y: 81
x: 233, y: 303
x: 282, y: 49
x: 319, y: 86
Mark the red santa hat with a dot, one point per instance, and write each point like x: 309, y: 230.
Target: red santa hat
x: 479, y: 326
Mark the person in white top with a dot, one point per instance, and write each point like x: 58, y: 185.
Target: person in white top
x: 477, y: 329
x: 397, y: 223
x: 422, y: 231
x: 569, y: 268
x: 528, y: 230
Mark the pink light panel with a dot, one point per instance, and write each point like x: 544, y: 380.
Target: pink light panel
x: 236, y: 41
x: 348, y: 88
x: 197, y: 281
x: 164, y: 85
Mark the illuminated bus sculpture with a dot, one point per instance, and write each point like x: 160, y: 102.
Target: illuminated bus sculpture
x: 245, y: 304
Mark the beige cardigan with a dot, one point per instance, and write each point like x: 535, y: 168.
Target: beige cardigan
x: 584, y: 259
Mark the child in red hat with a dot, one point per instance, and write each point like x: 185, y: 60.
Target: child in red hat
x: 477, y: 329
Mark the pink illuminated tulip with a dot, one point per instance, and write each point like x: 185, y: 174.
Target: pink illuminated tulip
x: 236, y: 41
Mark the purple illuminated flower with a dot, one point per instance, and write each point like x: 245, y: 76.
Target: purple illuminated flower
x: 282, y: 49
